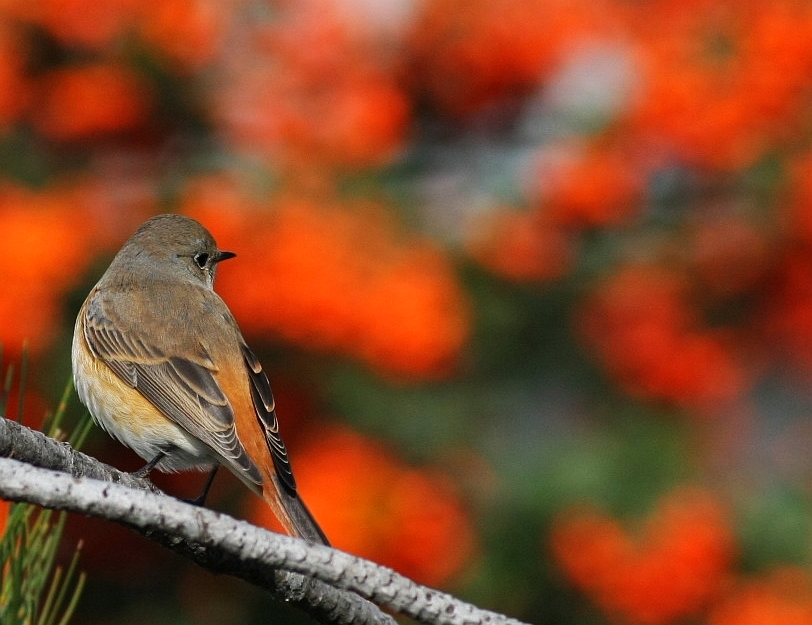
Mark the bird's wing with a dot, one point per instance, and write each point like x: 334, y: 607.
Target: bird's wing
x: 282, y: 496
x: 265, y: 409
x: 184, y: 389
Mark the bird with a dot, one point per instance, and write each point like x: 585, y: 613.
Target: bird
x: 161, y: 365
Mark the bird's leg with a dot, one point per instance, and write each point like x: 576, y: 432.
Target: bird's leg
x: 144, y: 471
x: 201, y: 498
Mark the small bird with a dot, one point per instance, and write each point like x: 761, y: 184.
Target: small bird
x: 162, y: 366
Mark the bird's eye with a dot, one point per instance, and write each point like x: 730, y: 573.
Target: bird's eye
x: 201, y: 259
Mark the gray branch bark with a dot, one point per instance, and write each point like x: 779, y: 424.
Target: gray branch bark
x: 317, y: 579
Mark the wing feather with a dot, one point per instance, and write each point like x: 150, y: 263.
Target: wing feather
x: 265, y: 408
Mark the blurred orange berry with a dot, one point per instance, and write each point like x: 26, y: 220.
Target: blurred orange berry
x: 472, y: 54
x: 334, y: 102
x: 789, y: 318
x: 188, y: 32
x: 14, y: 85
x: 609, y: 547
x: 784, y: 597
x: 90, y: 101
x: 371, y: 504
x: 723, y: 82
x: 425, y: 324
x: 221, y: 205
x: 47, y: 235
x: 677, y: 564
x: 521, y: 245
x: 593, y: 188
x: 92, y: 24
x: 641, y: 326
x: 728, y: 255
x: 362, y: 124
x: 339, y: 278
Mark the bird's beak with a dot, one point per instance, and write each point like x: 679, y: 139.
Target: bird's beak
x: 221, y: 255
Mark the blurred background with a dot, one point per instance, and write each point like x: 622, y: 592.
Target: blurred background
x: 531, y: 279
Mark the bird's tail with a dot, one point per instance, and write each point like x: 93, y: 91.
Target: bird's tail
x: 293, y: 513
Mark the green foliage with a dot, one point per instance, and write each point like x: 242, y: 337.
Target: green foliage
x: 34, y: 590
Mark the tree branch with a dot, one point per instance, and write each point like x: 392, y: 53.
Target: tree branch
x: 325, y: 604
x: 312, y: 577
x: 33, y: 447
